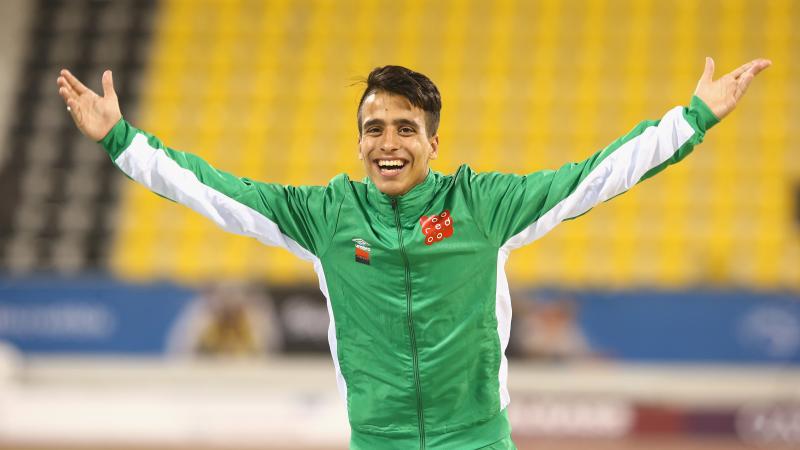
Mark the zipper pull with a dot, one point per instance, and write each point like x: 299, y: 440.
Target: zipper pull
x: 394, y: 203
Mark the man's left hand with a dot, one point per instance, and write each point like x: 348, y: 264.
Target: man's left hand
x: 723, y: 94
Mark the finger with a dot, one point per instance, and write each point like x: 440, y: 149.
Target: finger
x: 759, y: 65
x: 74, y: 83
x: 65, y: 94
x: 708, y: 71
x: 755, y: 66
x: 108, y: 84
x: 741, y: 69
x: 74, y: 110
x: 62, y: 84
x: 743, y: 83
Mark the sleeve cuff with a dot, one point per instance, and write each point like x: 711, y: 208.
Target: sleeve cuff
x: 118, y: 138
x: 705, y: 118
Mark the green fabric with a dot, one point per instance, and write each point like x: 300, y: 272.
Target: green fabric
x: 492, y: 434
x: 444, y: 315
x: 531, y: 196
x: 118, y: 138
x: 416, y: 322
x: 306, y: 213
x: 700, y: 117
x: 705, y: 117
x: 503, y: 444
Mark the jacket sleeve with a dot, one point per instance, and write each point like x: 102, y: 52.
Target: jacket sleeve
x: 300, y: 219
x: 515, y: 210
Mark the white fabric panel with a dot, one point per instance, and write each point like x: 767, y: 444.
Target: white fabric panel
x: 614, y: 175
x: 158, y: 172
x: 332, y: 343
x: 502, y: 310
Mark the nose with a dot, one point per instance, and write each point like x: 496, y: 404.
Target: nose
x: 389, y: 143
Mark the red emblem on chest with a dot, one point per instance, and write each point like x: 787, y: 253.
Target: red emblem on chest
x: 436, y: 227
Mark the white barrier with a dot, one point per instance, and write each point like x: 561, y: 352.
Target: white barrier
x: 293, y: 403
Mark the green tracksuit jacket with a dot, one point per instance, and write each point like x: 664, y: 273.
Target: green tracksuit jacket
x: 416, y: 290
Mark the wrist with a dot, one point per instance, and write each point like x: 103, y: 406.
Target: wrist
x: 118, y: 138
x: 705, y: 116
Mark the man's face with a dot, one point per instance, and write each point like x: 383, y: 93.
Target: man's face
x: 394, y: 144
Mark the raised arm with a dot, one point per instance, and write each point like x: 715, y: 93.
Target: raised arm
x: 516, y: 210
x: 300, y: 219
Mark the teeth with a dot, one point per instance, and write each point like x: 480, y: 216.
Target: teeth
x: 391, y: 163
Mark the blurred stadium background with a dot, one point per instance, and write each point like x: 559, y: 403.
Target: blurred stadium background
x: 667, y: 319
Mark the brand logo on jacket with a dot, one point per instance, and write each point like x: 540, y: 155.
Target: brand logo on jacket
x: 436, y: 227
x: 362, y: 251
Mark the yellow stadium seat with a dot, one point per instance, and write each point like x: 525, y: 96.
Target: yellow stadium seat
x: 268, y: 90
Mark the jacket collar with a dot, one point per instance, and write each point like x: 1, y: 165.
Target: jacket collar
x: 411, y: 205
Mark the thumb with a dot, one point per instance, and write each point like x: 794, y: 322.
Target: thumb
x: 708, y: 72
x: 108, y: 84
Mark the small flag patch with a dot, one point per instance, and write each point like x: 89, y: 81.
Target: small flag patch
x: 362, y: 251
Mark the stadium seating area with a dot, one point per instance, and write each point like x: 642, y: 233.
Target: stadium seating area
x: 58, y: 191
x: 668, y: 319
x: 263, y: 89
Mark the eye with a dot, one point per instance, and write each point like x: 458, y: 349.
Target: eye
x: 373, y: 130
x: 406, y: 130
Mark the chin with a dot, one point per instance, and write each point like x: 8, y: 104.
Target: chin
x: 391, y: 188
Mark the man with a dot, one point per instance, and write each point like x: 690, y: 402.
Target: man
x: 411, y: 261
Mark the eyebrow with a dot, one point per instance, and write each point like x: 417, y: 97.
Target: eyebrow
x: 396, y: 122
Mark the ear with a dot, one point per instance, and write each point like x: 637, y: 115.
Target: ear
x: 434, y: 141
x: 358, y: 147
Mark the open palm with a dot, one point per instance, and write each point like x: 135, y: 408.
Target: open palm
x: 94, y: 115
x: 723, y: 94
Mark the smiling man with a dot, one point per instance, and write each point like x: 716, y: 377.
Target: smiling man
x: 398, y: 117
x: 411, y: 261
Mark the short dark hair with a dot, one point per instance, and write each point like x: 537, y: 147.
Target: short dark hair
x: 414, y: 86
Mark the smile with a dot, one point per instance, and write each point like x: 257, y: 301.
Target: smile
x: 390, y: 167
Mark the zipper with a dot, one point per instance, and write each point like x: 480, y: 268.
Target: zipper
x: 412, y: 336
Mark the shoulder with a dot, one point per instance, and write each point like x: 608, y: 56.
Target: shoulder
x: 336, y: 187
x: 337, y: 184
x: 463, y: 176
x: 339, y: 181
x: 343, y: 182
x: 343, y: 186
x: 468, y: 177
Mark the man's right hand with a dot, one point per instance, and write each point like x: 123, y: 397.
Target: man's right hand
x: 94, y: 115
